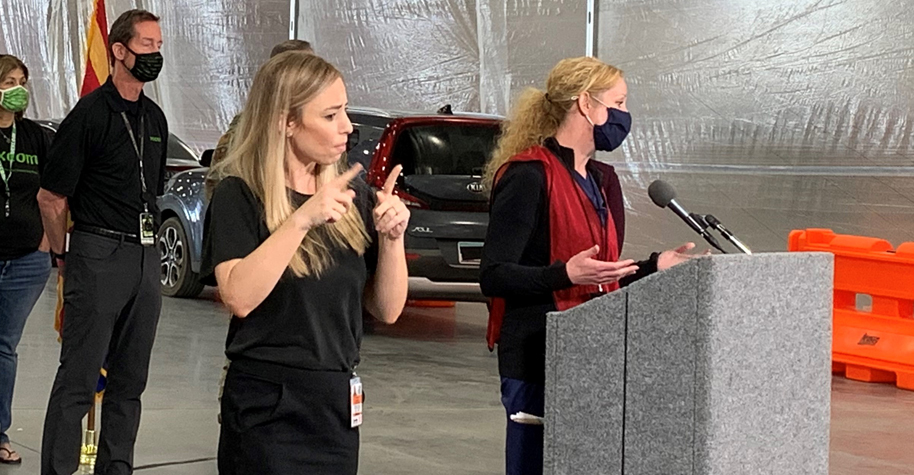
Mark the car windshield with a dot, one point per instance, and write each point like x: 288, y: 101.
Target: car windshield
x: 446, y: 149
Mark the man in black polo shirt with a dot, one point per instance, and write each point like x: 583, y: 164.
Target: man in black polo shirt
x: 107, y: 163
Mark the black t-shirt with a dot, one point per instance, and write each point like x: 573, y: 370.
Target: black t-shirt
x: 93, y: 162
x: 306, y: 322
x: 21, y: 233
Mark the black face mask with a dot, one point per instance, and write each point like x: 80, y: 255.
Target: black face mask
x: 147, y: 66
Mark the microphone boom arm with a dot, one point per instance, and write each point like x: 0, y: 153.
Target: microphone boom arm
x: 674, y: 206
x: 716, y: 224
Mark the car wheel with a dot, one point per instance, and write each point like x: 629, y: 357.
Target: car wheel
x: 177, y: 277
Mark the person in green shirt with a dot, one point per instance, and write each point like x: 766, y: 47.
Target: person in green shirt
x: 24, y: 260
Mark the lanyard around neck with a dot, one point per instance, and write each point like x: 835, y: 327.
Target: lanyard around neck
x: 11, y: 157
x: 139, y: 149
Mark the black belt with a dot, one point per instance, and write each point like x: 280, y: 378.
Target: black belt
x: 126, y: 237
x: 278, y: 373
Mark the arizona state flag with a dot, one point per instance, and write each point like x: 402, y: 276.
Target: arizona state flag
x: 97, y: 71
x: 96, y: 50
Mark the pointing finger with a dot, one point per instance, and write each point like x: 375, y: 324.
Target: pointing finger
x: 342, y: 181
x: 392, y: 179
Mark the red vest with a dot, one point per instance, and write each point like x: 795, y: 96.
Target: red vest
x: 574, y: 226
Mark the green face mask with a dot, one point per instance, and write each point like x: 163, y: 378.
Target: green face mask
x: 14, y: 99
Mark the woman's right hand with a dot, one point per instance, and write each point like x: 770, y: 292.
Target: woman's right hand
x: 330, y: 203
x: 583, y: 269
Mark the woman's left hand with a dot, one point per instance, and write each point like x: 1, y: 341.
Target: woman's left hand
x: 391, y: 216
x: 677, y: 256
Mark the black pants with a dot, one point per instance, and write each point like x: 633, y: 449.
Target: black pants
x: 111, y: 309
x: 286, y: 422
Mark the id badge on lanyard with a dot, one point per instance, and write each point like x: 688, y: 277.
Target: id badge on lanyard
x: 147, y: 221
x: 355, y: 400
x: 147, y: 229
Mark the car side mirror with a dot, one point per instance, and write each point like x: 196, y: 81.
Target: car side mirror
x: 207, y: 158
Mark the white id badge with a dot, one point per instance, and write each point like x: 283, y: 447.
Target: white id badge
x: 355, y: 400
x: 147, y: 229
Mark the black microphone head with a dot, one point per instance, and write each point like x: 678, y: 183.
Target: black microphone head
x: 661, y: 193
x: 712, y: 220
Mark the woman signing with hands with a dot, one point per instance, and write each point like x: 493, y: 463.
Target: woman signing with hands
x: 298, y: 249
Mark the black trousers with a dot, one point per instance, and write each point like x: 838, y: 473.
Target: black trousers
x: 286, y: 422
x: 111, y: 310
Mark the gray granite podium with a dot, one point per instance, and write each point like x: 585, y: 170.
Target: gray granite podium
x: 719, y: 366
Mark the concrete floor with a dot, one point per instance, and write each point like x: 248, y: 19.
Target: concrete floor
x: 432, y: 402
x: 432, y: 398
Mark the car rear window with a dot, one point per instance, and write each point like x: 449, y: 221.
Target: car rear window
x: 445, y: 149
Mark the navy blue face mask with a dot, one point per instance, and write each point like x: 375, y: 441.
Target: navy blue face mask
x: 610, y: 135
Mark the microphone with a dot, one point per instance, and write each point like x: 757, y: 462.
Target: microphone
x: 664, y: 196
x: 716, y: 224
x: 700, y: 220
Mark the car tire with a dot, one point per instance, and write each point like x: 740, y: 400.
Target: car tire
x: 177, y: 277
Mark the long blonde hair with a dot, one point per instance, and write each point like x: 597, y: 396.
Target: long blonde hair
x: 281, y: 89
x: 538, y: 114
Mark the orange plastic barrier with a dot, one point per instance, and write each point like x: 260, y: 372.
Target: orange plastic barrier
x: 872, y: 342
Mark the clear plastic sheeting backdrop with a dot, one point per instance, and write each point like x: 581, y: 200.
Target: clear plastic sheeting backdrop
x: 773, y: 82
x: 773, y: 115
x: 418, y: 55
x: 212, y: 51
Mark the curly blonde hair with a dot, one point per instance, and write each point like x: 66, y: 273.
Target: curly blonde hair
x: 538, y: 114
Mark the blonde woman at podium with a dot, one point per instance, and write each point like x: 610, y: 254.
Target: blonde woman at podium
x: 556, y: 228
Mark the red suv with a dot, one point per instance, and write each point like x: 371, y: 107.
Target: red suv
x: 443, y: 157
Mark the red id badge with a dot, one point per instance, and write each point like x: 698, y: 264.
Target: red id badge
x: 355, y: 400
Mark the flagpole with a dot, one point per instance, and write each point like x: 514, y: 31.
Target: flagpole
x: 96, y: 72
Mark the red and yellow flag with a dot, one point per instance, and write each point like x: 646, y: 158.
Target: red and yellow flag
x: 96, y: 50
x: 97, y: 70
